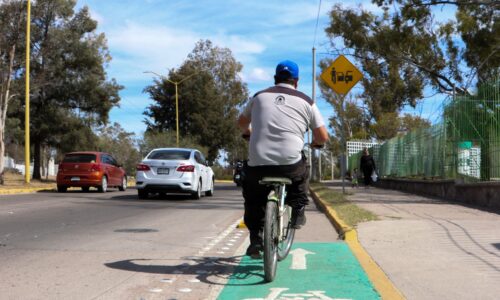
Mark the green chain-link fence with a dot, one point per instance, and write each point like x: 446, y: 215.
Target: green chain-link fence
x: 466, y: 144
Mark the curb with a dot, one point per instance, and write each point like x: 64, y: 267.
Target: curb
x: 25, y: 190
x: 223, y: 181
x: 380, y: 281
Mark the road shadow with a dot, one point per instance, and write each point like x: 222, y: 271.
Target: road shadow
x: 209, y: 269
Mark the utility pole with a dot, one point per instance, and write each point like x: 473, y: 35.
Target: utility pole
x: 175, y: 83
x: 312, y: 152
x: 27, y: 174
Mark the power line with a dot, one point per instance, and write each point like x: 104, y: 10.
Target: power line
x: 317, y: 21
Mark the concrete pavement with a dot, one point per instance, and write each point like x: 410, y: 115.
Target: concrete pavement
x: 431, y: 249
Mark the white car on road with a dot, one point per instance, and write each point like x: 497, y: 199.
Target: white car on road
x: 174, y: 170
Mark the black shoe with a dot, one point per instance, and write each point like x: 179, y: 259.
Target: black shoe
x: 254, y: 251
x: 298, y: 217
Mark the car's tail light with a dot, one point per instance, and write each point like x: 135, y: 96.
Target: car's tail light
x: 143, y: 167
x: 95, y: 168
x: 186, y: 168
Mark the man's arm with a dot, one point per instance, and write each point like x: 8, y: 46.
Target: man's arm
x: 320, y: 136
x: 244, y: 125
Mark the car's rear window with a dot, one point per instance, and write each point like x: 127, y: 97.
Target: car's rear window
x: 170, y: 154
x: 79, y: 158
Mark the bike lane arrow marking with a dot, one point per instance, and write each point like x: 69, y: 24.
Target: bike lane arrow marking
x: 332, y: 273
x: 299, y: 259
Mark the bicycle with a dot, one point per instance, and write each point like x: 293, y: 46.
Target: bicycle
x: 278, y: 229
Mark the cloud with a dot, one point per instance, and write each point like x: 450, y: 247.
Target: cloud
x: 137, y: 48
x: 151, y: 47
x: 238, y: 44
x: 257, y: 75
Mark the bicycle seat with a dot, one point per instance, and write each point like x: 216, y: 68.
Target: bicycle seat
x: 275, y: 180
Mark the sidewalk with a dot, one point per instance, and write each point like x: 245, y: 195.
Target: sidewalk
x: 431, y: 249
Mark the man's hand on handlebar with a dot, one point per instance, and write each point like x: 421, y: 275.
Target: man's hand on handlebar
x: 317, y: 146
x: 246, y: 134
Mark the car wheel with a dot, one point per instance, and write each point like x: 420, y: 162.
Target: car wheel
x: 197, y: 195
x: 103, y: 188
x: 142, y: 194
x: 210, y: 192
x: 85, y: 189
x: 62, y: 188
x: 123, y: 187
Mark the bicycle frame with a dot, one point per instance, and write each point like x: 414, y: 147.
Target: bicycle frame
x: 280, y: 191
x: 278, y: 236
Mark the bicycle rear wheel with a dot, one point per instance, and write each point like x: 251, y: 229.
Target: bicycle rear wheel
x: 288, y: 234
x: 271, y: 241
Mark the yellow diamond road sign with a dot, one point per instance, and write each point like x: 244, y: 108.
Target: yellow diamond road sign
x: 341, y: 75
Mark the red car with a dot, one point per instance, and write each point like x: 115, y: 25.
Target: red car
x: 90, y: 169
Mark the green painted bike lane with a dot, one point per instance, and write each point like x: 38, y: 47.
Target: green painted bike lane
x: 321, y: 271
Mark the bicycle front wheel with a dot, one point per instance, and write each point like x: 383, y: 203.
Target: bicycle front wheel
x: 271, y: 241
x: 285, y: 244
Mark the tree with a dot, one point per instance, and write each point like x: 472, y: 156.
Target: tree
x: 404, y: 50
x: 11, y: 35
x: 68, y: 76
x: 208, y: 100
x: 121, y: 144
x: 409, y: 122
x: 166, y: 139
x: 387, y: 127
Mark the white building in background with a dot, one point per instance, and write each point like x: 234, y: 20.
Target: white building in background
x: 51, y: 169
x: 8, y: 162
x: 354, y: 147
x: 469, y: 162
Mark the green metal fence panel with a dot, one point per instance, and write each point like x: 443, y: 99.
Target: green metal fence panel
x: 464, y: 145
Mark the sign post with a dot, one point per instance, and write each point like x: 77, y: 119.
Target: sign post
x: 341, y: 76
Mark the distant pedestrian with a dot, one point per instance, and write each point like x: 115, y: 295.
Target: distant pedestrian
x: 355, y: 176
x: 367, y: 165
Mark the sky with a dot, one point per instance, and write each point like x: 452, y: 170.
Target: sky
x: 157, y: 35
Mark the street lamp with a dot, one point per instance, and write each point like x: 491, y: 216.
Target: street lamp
x: 176, y: 83
x: 27, y: 106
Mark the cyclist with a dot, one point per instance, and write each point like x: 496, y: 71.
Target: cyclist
x: 275, y: 120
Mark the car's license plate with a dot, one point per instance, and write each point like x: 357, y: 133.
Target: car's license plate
x: 162, y: 171
x: 75, y: 178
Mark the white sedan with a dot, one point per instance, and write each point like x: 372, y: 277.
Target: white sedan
x: 174, y: 170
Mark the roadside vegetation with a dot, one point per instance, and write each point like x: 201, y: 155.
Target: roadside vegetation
x: 349, y: 212
x: 15, y: 180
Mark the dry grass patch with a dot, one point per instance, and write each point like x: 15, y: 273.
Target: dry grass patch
x: 350, y: 213
x: 14, y: 180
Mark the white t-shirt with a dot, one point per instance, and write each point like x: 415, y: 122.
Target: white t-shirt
x: 280, y: 117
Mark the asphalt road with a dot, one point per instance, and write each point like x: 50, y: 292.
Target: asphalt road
x: 113, y: 246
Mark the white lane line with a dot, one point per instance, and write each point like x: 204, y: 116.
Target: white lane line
x: 220, y: 237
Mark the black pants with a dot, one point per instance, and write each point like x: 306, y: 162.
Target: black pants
x: 256, y: 194
x: 367, y: 174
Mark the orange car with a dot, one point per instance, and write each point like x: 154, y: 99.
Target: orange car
x: 90, y: 169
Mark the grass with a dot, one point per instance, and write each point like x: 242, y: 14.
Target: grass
x: 350, y: 213
x: 13, y: 180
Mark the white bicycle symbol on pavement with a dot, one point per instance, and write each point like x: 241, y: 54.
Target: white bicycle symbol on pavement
x: 279, y: 294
